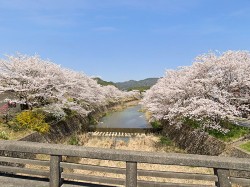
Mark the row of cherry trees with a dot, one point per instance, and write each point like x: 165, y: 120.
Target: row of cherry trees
x: 41, y: 82
x: 216, y: 87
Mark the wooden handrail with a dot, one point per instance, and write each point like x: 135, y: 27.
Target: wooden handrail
x: 221, y: 165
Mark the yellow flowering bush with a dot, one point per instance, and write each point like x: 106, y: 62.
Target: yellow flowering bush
x: 34, y: 120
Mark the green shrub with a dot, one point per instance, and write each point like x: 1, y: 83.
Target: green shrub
x: 191, y: 122
x: 13, y: 125
x: 3, y: 135
x: 34, y: 120
x: 74, y: 140
x: 165, y: 141
x: 69, y: 113
x: 156, y: 125
x: 92, y: 120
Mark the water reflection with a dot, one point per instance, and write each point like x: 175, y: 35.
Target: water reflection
x: 131, y: 117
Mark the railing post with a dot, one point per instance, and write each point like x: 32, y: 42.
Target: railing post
x: 55, y: 171
x: 223, y: 177
x: 131, y: 174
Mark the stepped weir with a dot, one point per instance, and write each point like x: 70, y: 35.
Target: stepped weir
x: 122, y: 132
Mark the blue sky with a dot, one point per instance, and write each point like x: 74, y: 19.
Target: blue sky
x: 120, y: 40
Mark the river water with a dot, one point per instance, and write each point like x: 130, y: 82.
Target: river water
x: 130, y: 117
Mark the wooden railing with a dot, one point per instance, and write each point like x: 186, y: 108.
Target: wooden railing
x: 222, y: 166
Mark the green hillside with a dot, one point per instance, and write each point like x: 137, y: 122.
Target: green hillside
x: 141, y: 85
x: 102, y: 82
x: 137, y: 85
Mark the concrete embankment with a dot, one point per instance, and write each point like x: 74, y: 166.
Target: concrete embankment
x: 193, y: 140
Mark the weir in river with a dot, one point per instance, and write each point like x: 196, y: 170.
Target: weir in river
x: 130, y: 122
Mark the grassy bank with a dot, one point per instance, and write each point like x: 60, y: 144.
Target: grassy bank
x: 246, y: 146
x: 24, y: 123
x: 235, y: 131
x: 7, y: 133
x: 123, y: 105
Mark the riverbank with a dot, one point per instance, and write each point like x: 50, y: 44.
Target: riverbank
x: 60, y: 131
x: 121, y: 106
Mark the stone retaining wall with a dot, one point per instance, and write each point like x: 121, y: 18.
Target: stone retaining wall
x: 193, y: 140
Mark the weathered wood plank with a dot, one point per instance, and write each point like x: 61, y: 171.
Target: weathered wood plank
x: 152, y: 173
x: 24, y: 161
x: 223, y: 177
x: 221, y: 165
x: 178, y: 175
x: 161, y: 184
x: 15, y: 170
x: 132, y: 156
x: 116, y: 181
x: 94, y: 168
x: 131, y: 174
x: 55, y: 171
x: 95, y: 179
x: 240, y: 181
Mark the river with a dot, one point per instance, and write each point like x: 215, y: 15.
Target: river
x: 130, y: 117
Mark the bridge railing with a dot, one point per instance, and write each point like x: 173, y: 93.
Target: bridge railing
x: 222, y: 166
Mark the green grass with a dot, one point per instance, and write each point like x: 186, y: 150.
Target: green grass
x: 156, y: 125
x: 235, y: 132
x: 74, y: 140
x: 245, y: 146
x: 10, y: 133
x: 4, y: 135
x: 165, y: 141
x: 191, y: 122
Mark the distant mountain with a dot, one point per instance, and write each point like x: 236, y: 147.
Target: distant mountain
x: 130, y: 85
x: 137, y: 85
x: 103, y: 83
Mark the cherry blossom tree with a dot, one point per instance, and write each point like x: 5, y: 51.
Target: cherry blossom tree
x: 44, y: 83
x: 216, y: 87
